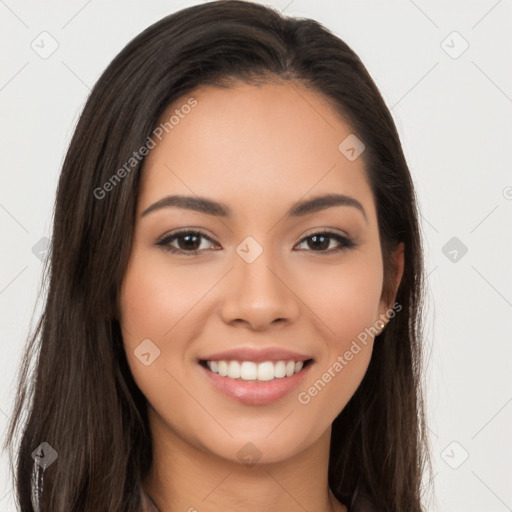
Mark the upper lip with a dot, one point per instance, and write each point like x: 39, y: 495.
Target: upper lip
x: 257, y: 355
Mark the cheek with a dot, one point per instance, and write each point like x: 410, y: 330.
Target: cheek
x: 347, y: 303
x: 346, y: 299
x: 159, y: 302
x: 155, y: 297
x: 149, y: 308
x: 154, y: 303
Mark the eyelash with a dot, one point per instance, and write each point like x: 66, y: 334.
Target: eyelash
x: 164, y: 243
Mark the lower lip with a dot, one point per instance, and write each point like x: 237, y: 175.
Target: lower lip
x: 256, y: 393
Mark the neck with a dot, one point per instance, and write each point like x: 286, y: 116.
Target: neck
x: 185, y: 478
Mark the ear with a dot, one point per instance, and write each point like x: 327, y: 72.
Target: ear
x: 390, y: 287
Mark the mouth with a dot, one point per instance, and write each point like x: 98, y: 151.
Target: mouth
x: 251, y: 371
x: 255, y: 383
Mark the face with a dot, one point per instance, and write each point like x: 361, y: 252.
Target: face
x: 267, y: 275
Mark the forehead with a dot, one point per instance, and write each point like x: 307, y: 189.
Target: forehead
x: 272, y: 142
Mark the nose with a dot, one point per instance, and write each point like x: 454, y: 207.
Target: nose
x: 259, y: 294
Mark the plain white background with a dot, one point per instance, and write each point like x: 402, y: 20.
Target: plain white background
x: 452, y: 106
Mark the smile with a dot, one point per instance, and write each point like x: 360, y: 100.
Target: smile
x: 255, y: 372
x: 252, y: 383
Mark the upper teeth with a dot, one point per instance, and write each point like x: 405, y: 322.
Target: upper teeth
x: 248, y: 370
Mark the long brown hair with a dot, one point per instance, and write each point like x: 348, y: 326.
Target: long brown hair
x: 75, y: 390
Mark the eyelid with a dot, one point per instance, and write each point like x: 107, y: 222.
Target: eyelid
x: 310, y: 232
x: 187, y: 230
x: 325, y: 229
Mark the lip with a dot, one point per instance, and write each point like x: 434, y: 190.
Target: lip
x: 259, y: 355
x: 256, y: 393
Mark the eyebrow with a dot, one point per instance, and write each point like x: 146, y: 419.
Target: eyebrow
x: 298, y: 209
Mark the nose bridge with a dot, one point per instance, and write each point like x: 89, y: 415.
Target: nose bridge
x: 256, y: 268
x: 257, y: 291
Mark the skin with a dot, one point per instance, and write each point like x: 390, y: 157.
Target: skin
x: 258, y: 149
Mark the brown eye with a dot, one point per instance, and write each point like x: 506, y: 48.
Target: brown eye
x: 321, y: 241
x: 187, y: 242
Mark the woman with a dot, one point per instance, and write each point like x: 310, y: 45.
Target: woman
x: 233, y: 317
